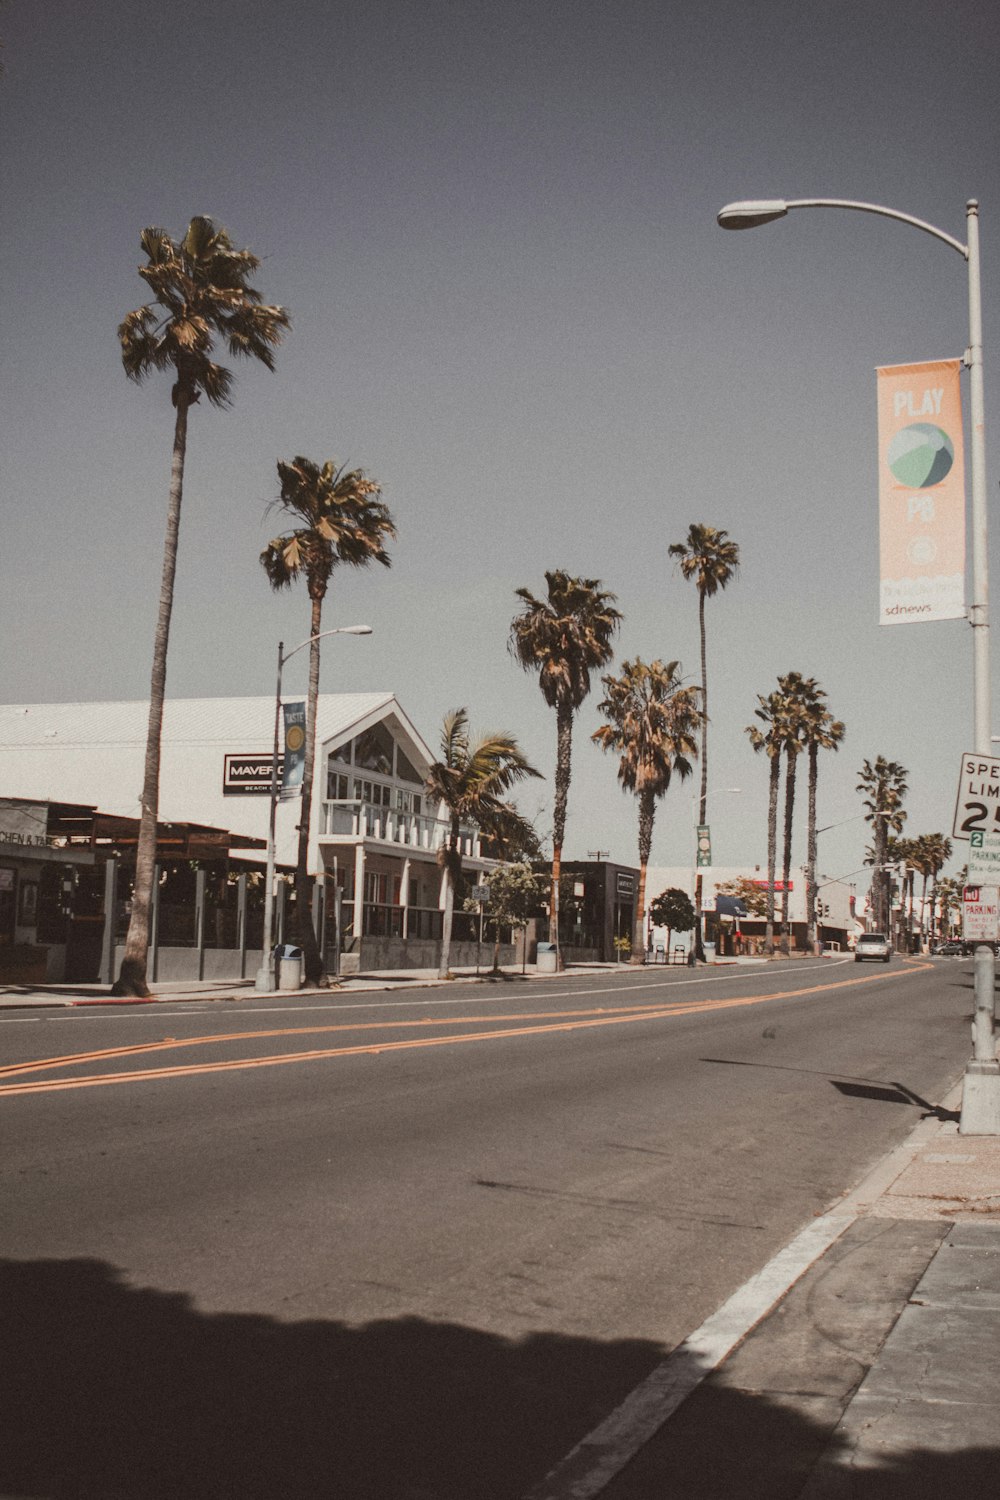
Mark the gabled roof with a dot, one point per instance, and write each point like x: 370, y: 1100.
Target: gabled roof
x: 186, y: 721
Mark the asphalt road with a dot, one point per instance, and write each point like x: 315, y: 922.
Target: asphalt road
x: 415, y: 1246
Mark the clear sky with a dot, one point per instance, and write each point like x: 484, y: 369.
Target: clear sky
x: 493, y: 222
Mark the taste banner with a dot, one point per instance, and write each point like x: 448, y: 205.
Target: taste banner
x: 921, y: 487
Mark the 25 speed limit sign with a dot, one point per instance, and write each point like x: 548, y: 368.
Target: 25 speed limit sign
x: 977, y: 808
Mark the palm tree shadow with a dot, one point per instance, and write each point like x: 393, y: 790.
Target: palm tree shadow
x: 117, y: 1392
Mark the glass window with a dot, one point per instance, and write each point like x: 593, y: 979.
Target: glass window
x: 373, y: 750
x: 336, y: 786
x: 342, y: 753
x: 405, y: 770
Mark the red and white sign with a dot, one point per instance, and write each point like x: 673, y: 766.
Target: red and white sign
x: 980, y: 914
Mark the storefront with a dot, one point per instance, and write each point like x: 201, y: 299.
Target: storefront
x: 46, y: 883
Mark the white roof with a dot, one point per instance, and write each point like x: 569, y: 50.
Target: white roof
x: 93, y: 753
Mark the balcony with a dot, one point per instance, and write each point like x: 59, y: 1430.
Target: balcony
x: 386, y: 825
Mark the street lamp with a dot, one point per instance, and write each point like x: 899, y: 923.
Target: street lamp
x: 981, y: 1094
x: 732, y: 791
x: 265, y: 973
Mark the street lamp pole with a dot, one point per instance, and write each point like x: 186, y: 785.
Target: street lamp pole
x: 265, y: 977
x: 698, y: 935
x: 981, y: 1094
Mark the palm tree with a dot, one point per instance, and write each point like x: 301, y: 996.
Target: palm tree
x: 469, y: 783
x: 798, y: 693
x: 884, y: 784
x: 938, y: 853
x: 820, y: 731
x: 343, y: 521
x: 563, y: 638
x: 201, y: 293
x: 653, y: 724
x: 711, y: 560
x: 773, y: 712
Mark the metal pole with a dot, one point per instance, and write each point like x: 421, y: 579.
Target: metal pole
x: 265, y: 974
x: 981, y: 1085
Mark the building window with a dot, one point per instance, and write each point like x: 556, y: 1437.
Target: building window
x: 405, y: 770
x: 337, y: 786
x: 373, y: 750
x: 342, y: 752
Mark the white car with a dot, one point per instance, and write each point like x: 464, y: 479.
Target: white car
x: 874, y: 945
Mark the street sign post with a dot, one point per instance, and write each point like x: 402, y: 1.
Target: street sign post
x: 977, y: 805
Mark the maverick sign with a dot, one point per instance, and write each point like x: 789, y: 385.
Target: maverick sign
x: 249, y: 773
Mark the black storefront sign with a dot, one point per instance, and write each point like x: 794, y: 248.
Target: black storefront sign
x: 249, y: 773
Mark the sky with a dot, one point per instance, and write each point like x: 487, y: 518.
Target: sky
x: 493, y: 224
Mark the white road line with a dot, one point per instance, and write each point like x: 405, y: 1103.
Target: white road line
x: 96, y: 1013
x: 589, y: 1467
x: 603, y: 1453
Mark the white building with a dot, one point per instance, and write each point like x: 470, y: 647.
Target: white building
x: 373, y: 836
x: 835, y: 900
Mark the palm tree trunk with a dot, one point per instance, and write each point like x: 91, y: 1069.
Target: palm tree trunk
x: 772, y: 848
x: 132, y: 976
x: 811, y: 935
x: 564, y: 747
x: 450, y: 864
x: 647, y: 812
x: 786, y: 863
x: 312, y: 958
x: 923, y: 913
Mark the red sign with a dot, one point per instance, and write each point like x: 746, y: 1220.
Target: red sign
x: 779, y: 885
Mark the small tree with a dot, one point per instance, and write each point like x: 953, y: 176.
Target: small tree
x: 753, y: 896
x: 515, y: 896
x: 673, y: 910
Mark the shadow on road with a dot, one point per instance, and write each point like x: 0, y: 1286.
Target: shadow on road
x: 113, y: 1392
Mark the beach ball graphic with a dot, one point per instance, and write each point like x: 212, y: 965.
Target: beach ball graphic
x: 920, y: 455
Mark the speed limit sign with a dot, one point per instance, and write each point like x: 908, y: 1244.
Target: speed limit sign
x: 977, y: 807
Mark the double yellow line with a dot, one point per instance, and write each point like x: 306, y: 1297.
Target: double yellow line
x: 541, y: 1024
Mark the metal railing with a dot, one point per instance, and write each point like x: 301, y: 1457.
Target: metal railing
x: 391, y: 826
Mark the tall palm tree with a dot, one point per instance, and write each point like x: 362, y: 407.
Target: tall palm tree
x: 711, y: 560
x: 469, y: 783
x: 343, y: 520
x: 820, y: 731
x: 884, y: 784
x: 201, y: 293
x: 563, y: 638
x: 652, y: 724
x: 771, y: 741
x: 938, y: 850
x: 798, y: 693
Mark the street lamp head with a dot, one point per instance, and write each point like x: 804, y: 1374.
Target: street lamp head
x: 752, y: 213
x: 355, y: 630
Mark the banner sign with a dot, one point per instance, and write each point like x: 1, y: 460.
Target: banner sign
x: 921, y: 490
x: 703, y: 844
x: 295, y: 750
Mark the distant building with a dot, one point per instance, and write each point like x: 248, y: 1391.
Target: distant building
x: 373, y: 837
x: 730, y: 933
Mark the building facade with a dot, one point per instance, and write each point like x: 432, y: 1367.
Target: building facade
x: 373, y: 837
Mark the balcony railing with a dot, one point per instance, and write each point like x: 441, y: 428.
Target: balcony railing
x: 390, y: 826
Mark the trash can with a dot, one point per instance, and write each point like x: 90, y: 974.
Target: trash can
x: 288, y: 964
x: 546, y: 958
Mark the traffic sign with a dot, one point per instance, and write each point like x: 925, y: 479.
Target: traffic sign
x: 984, y: 858
x: 480, y: 893
x: 980, y: 913
x: 977, y: 806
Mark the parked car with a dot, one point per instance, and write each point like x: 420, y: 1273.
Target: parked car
x: 873, y: 945
x: 952, y: 948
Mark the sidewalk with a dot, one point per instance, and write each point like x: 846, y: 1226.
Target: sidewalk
x: 874, y: 1376
x: 33, y: 996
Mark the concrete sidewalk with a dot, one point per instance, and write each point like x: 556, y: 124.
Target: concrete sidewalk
x: 33, y: 996
x: 875, y: 1375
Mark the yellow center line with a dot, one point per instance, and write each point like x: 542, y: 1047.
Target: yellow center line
x: 580, y: 1020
